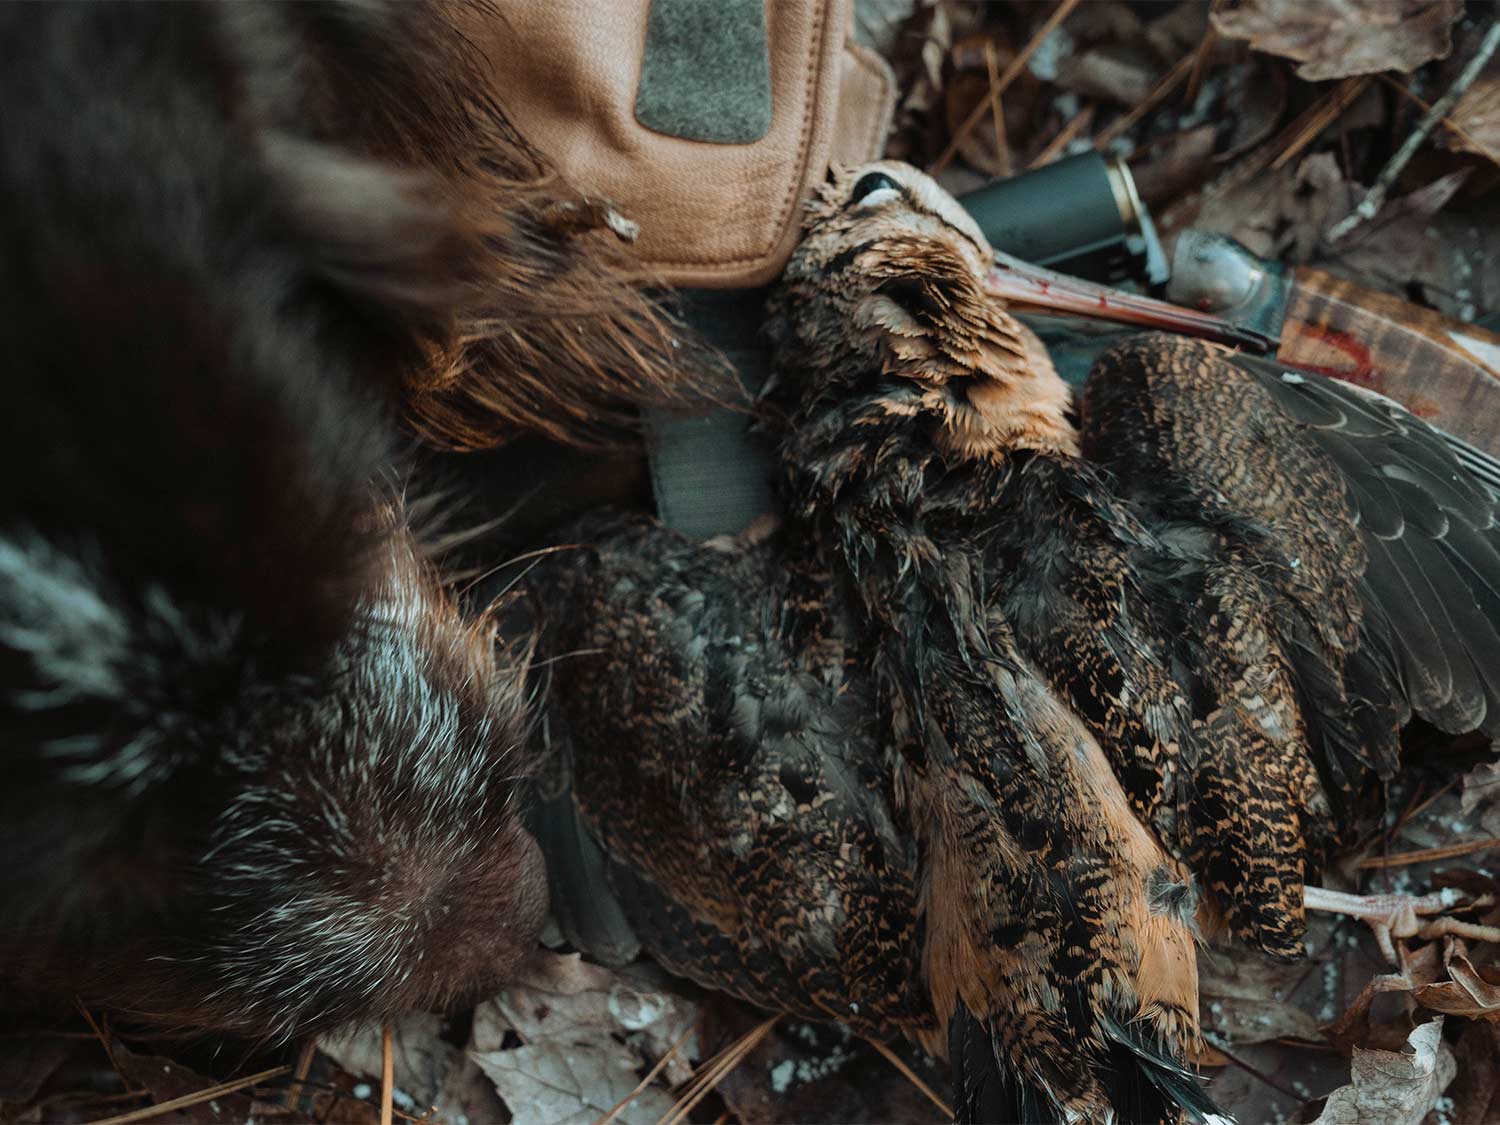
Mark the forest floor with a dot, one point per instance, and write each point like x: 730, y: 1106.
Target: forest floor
x: 1268, y: 120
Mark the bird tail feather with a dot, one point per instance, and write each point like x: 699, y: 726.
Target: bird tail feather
x: 1142, y: 1078
x: 1148, y: 1083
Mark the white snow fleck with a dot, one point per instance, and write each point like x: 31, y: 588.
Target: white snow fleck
x: 781, y: 1075
x: 1054, y: 48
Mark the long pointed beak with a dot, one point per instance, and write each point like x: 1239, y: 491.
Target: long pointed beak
x: 1023, y: 286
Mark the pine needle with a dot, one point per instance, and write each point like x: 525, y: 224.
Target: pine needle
x: 711, y: 1073
x: 998, y: 88
x: 198, y: 1098
x: 1168, y: 82
x: 911, y: 1076
x: 387, y: 1073
x: 1430, y: 855
x: 997, y: 111
x: 1081, y: 121
x: 108, y: 1050
x: 1201, y: 58
x: 646, y: 1081
x: 1323, y: 113
x: 299, y: 1076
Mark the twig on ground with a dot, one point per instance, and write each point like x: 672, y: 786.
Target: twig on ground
x: 1375, y: 198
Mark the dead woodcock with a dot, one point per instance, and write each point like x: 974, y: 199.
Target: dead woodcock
x: 1019, y: 701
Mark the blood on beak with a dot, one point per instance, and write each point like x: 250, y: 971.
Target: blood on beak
x: 1026, y: 287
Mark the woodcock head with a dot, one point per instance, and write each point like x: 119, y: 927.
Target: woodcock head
x: 894, y: 283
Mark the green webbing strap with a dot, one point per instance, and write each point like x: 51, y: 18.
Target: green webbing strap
x: 711, y: 476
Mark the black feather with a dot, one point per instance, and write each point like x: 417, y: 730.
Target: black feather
x: 1147, y: 1083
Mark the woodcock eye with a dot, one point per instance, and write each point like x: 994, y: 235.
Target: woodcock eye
x: 873, y: 189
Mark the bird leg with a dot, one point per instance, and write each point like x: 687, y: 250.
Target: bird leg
x: 1402, y: 916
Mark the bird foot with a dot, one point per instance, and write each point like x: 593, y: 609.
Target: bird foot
x: 1403, y: 916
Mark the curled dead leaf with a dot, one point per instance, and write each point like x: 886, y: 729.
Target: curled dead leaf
x: 28, y: 1059
x: 1339, y: 38
x: 1282, y: 213
x: 1393, y: 1088
x: 1469, y: 991
x: 1355, y: 1027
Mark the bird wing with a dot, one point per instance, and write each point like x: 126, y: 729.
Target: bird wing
x: 727, y: 765
x: 1060, y: 948
x: 1318, y: 566
x: 1365, y: 516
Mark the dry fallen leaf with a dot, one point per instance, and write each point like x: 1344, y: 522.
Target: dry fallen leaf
x: 1174, y: 163
x: 918, y: 57
x: 1470, y: 991
x: 572, y: 1083
x: 1339, y: 38
x: 565, y: 1044
x: 1105, y: 21
x: 1477, y: 114
x: 1245, y: 998
x: 1356, y: 1029
x: 1481, y: 786
x: 1390, y: 1088
x: 1179, y: 31
x: 1397, y: 249
x: 1282, y: 213
x: 1254, y: 101
x: 431, y: 1073
x: 422, y: 1058
x: 167, y: 1080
